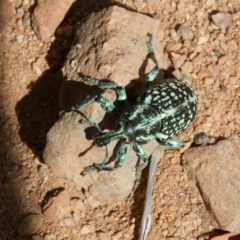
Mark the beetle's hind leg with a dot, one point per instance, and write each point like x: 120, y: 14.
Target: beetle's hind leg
x: 166, y: 143
x: 153, y: 74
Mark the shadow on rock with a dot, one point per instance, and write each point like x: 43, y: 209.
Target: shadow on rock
x: 38, y: 111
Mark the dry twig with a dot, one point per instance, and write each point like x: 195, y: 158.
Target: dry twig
x: 146, y: 218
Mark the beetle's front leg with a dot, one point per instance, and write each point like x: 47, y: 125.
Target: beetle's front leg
x: 121, y: 156
x: 121, y: 92
x: 105, y: 104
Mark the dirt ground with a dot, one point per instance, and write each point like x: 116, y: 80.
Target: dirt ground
x: 30, y: 84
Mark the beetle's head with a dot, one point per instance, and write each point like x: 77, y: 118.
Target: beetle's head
x: 123, y: 132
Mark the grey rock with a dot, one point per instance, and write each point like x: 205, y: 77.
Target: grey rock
x: 215, y: 170
x: 185, y: 33
x: 222, y: 19
x: 30, y: 224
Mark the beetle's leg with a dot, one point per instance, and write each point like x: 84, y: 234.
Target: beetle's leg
x: 106, y: 105
x: 94, y: 166
x: 141, y: 153
x: 93, y: 124
x: 172, y: 144
x: 168, y: 144
x: 121, y: 156
x: 153, y: 74
x: 121, y: 92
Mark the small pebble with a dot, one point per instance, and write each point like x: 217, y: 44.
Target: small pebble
x: 223, y: 88
x: 20, y: 38
x: 69, y: 222
x: 237, y: 91
x: 104, y: 236
x: 223, y: 59
x: 86, y: 229
x: 49, y: 236
x: 222, y: 19
x: 177, y: 59
x: 185, y: 32
x: 202, y: 74
x: 201, y: 139
x: 187, y: 67
x: 208, y: 81
x: 30, y: 224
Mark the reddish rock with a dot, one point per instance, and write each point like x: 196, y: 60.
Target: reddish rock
x: 177, y: 59
x: 57, y: 207
x: 215, y: 169
x: 223, y: 59
x: 116, y: 48
x: 6, y: 12
x: 47, y: 16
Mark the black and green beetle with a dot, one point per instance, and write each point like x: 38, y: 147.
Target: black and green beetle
x: 160, y: 113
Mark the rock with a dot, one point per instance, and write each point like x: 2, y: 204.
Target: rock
x: 237, y: 91
x: 49, y: 236
x: 77, y: 204
x: 57, y: 206
x: 178, y: 74
x: 208, y: 81
x: 47, y: 15
x: 115, y: 49
x: 6, y: 12
x: 187, y: 68
x: 69, y: 222
x: 104, y: 236
x: 197, y: 60
x: 30, y: 224
x: 177, y: 59
x: 185, y: 33
x: 202, y: 74
x: 86, y: 229
x: 201, y: 139
x: 36, y: 237
x: 222, y: 19
x: 215, y: 169
x: 107, y: 53
x: 223, y: 59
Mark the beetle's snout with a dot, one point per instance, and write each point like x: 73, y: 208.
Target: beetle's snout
x: 104, y: 138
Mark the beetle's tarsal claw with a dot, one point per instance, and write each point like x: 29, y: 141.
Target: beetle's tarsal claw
x: 62, y: 113
x: 88, y: 170
x: 83, y: 173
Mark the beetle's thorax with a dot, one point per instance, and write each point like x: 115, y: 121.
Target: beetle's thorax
x: 140, y: 123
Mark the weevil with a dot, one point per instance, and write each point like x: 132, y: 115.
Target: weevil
x: 160, y: 113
